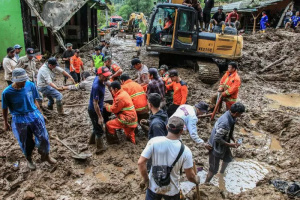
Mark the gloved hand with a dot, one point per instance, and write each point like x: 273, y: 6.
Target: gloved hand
x: 144, y: 184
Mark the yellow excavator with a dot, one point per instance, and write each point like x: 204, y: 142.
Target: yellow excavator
x: 174, y: 31
x: 132, y: 25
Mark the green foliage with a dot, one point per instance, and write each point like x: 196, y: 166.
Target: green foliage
x: 125, y: 11
x: 130, y: 6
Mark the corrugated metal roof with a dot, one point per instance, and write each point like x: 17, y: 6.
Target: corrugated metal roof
x: 246, y: 5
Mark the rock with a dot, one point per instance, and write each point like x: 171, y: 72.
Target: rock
x: 29, y: 195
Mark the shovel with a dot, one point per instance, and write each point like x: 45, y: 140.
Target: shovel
x: 81, y: 156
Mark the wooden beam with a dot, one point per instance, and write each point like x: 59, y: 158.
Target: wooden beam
x: 283, y: 14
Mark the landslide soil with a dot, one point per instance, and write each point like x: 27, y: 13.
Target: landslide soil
x: 114, y: 174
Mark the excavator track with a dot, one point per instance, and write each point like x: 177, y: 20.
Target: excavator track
x: 209, y: 72
x: 208, y: 69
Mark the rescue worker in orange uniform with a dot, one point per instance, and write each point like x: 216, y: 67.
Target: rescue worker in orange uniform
x: 75, y: 65
x: 180, y: 92
x: 229, y: 85
x: 114, y: 68
x: 163, y: 72
x: 138, y: 96
x: 125, y: 112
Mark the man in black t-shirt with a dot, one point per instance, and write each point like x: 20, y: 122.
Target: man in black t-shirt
x: 66, y: 56
x: 218, y: 18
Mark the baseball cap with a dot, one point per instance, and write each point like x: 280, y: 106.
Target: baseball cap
x: 135, y: 61
x: 104, y: 71
x: 140, y: 31
x: 176, y: 124
x: 107, y: 58
x: 69, y: 45
x: 202, y: 106
x: 17, y: 46
x: 19, y: 75
x: 52, y: 61
x: 30, y: 52
x: 220, y: 8
x: 77, y: 51
x: 10, y: 49
x: 173, y: 73
x: 163, y: 67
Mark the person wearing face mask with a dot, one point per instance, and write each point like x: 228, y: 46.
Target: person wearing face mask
x: 27, y: 120
x: 96, y: 107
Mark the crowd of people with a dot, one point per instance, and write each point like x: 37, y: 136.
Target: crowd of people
x: 155, y: 100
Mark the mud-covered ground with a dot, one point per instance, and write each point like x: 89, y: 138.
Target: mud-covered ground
x: 114, y: 174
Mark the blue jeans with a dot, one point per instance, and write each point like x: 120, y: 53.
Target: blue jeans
x: 50, y: 93
x: 153, y: 196
x: 67, y: 69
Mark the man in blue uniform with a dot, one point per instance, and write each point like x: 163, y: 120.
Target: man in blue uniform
x: 263, y: 22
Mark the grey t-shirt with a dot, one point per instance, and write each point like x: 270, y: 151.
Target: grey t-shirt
x: 46, y: 75
x: 87, y: 85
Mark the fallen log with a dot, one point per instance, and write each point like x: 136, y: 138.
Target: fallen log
x: 275, y: 63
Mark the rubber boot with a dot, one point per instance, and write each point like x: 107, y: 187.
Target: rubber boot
x: 100, y: 145
x: 92, y: 139
x: 60, y: 108
x: 49, y: 159
x: 30, y: 163
x: 211, y: 27
x: 112, y: 138
x: 223, y: 28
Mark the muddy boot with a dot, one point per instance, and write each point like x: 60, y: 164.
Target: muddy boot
x: 112, y: 138
x: 30, y: 163
x: 92, y: 139
x: 100, y: 145
x: 60, y: 108
x: 49, y: 159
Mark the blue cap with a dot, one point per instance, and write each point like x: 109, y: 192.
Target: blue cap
x: 17, y: 46
x: 19, y: 75
x: 202, y: 106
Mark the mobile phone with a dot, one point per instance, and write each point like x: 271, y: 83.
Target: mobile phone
x: 240, y: 141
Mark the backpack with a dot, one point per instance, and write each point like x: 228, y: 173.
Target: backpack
x: 161, y: 173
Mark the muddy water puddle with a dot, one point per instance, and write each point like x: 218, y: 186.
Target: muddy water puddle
x: 275, y: 144
x: 288, y: 100
x: 240, y: 175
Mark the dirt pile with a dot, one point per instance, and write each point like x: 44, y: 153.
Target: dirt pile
x: 114, y: 174
x: 261, y: 50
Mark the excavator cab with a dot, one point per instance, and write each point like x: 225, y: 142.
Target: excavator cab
x: 175, y: 29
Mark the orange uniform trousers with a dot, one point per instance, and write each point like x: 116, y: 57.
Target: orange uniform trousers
x: 114, y: 124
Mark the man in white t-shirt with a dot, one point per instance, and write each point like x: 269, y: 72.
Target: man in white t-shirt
x: 164, y: 151
x: 190, y: 114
